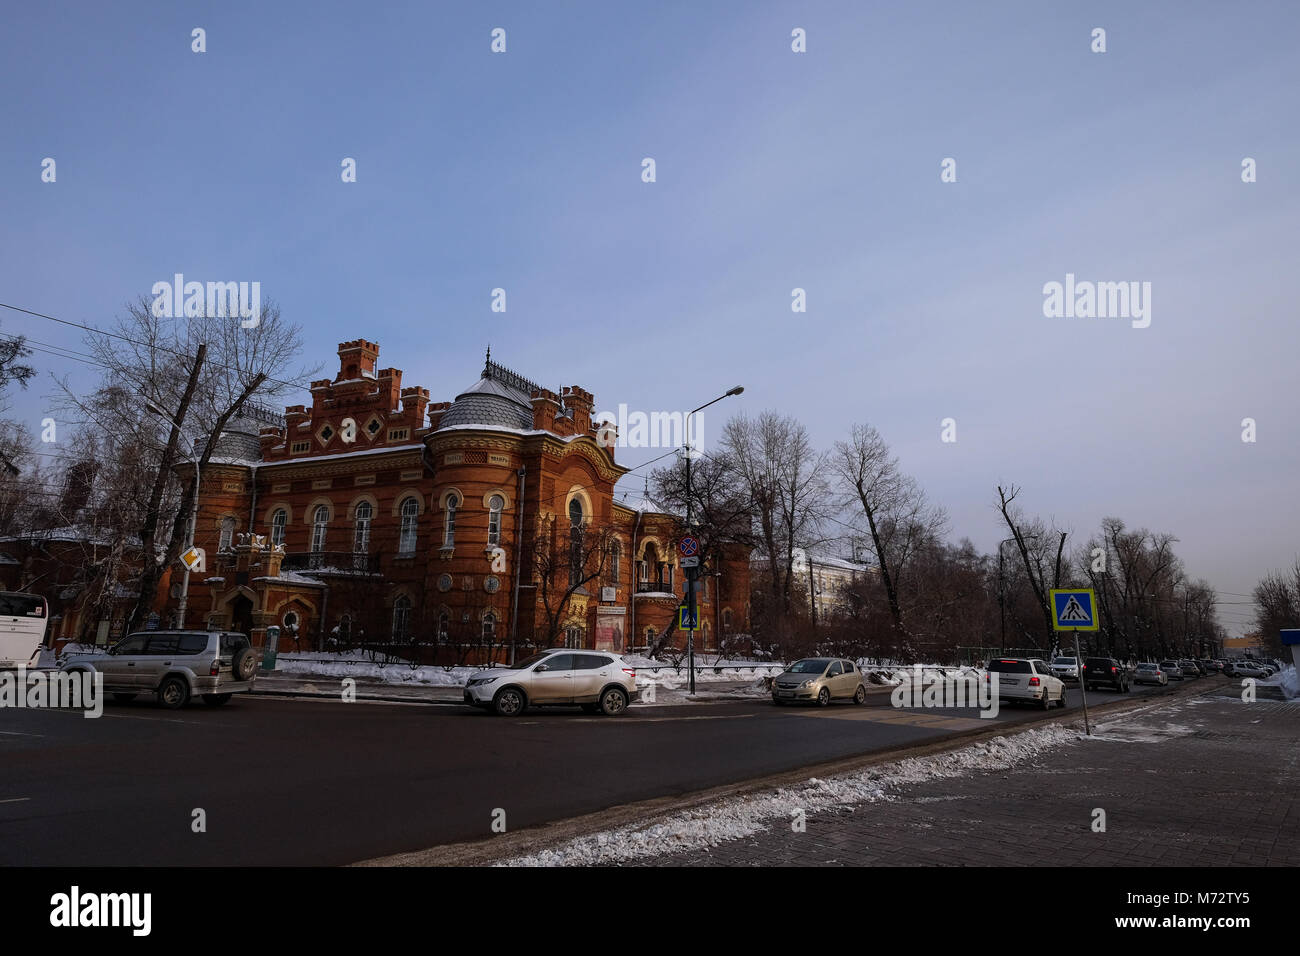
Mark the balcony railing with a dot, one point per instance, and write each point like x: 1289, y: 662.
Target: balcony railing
x: 337, y: 562
x: 654, y: 587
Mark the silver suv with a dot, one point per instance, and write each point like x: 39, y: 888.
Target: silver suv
x: 598, y: 681
x: 175, y: 665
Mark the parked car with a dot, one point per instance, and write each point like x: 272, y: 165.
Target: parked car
x: 1212, y: 667
x: 819, y: 680
x: 1244, y: 669
x: 1066, y: 668
x: 1190, y: 668
x: 1105, y: 671
x: 1150, y: 674
x: 597, y: 681
x: 1026, y: 679
x: 1172, y: 670
x: 174, y: 665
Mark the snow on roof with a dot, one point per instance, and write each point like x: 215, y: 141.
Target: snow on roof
x: 291, y: 577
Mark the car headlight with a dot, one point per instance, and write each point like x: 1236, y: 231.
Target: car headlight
x: 806, y: 683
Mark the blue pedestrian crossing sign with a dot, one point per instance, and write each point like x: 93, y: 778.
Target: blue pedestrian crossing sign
x: 1074, y: 609
x: 688, y: 618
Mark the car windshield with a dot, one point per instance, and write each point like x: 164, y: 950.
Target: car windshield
x: 1010, y: 666
x: 529, y: 661
x: 813, y: 665
x: 1063, y: 660
x: 1146, y: 667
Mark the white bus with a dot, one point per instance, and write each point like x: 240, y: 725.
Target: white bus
x: 23, y: 619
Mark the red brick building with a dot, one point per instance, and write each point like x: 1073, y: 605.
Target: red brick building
x: 373, y: 516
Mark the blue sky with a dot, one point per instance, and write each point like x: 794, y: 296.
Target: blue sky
x: 775, y: 170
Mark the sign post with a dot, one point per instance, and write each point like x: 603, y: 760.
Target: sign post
x: 689, y: 548
x: 1075, y: 609
x: 1083, y: 691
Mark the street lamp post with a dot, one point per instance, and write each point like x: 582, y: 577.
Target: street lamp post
x: 692, y: 573
x: 183, y: 603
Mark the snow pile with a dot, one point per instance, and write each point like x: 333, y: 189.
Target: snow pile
x: 739, y: 817
x: 668, y: 691
x: 345, y: 665
x: 1288, y: 680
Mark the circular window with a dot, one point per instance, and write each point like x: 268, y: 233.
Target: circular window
x: 291, y: 620
x: 491, y: 584
x: 444, y: 582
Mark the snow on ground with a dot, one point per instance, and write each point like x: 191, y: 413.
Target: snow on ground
x: 1146, y: 727
x: 742, y: 816
x: 347, y: 665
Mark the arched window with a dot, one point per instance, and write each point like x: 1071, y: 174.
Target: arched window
x: 401, y: 617
x: 650, y: 635
x: 279, y: 519
x: 227, y: 534
x: 449, y: 535
x: 495, y: 505
x: 444, y: 625
x: 615, y: 559
x: 726, y: 619
x: 575, y: 543
x: 361, y: 536
x: 319, y: 522
x: 573, y: 637
x: 410, y: 514
x: 489, y: 626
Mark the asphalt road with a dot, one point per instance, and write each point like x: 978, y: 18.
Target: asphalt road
x: 315, y: 782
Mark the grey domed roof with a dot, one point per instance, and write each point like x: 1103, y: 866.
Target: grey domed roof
x: 239, y: 439
x: 492, y: 403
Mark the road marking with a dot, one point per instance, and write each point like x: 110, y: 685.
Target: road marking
x: 16, y: 800
x: 14, y: 733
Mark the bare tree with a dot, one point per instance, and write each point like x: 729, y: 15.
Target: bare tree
x: 200, y: 371
x: 1277, y: 600
x: 1041, y: 552
x: 783, y: 478
x: 897, y: 516
x: 564, y: 562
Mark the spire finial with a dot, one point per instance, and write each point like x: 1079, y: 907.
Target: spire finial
x: 487, y: 362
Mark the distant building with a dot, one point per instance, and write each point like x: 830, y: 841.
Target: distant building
x: 375, y: 516
x: 824, y: 578
x: 85, y: 575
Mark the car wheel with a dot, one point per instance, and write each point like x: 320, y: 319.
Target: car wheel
x: 613, y: 702
x: 216, y: 700
x: 1061, y: 702
x: 1046, y: 702
x: 860, y: 695
x: 824, y: 697
x: 174, y: 693
x: 124, y: 698
x: 509, y: 702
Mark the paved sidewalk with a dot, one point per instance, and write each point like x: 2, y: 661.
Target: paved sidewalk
x: 1201, y: 782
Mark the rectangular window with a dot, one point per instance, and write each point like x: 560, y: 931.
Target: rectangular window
x: 299, y: 446
x: 399, y: 434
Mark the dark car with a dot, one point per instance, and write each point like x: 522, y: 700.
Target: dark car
x: 1105, y: 672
